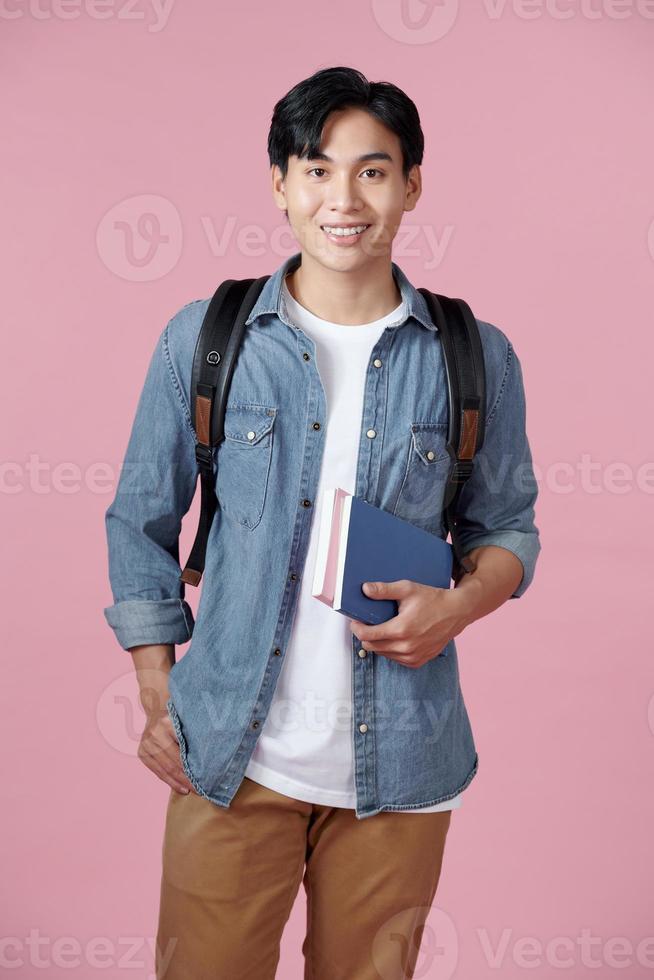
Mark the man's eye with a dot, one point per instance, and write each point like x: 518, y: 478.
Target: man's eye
x: 369, y: 170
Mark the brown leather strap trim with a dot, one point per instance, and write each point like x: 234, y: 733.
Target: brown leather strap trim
x: 202, y: 414
x: 468, y: 438
x: 190, y: 576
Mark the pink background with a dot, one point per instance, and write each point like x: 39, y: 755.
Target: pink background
x: 537, y: 184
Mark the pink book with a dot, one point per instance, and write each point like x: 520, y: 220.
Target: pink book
x: 324, y: 579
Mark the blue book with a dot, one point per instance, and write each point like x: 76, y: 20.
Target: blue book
x: 360, y: 543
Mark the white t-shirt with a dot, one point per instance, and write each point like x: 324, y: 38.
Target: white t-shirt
x: 305, y: 746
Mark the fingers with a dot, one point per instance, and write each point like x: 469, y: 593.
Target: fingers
x: 386, y: 646
x: 167, y: 773
x: 159, y: 750
x: 405, y: 659
x: 383, y: 633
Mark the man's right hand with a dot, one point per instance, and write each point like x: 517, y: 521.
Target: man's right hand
x: 159, y: 748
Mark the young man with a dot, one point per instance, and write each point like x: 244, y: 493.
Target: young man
x: 301, y: 746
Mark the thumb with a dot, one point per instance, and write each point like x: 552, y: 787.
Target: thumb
x: 384, y: 590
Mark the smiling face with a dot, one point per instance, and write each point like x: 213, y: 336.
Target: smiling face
x: 355, y: 181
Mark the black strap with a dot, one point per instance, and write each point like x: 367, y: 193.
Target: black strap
x: 214, y: 360
x: 464, y: 365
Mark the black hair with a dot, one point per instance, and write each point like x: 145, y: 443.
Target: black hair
x: 299, y: 117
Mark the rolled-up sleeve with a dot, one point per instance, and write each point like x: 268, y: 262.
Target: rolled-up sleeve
x: 154, y: 491
x: 496, y: 506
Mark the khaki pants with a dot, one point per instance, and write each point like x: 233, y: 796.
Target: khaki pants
x: 230, y: 878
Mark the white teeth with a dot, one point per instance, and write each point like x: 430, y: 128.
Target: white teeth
x: 344, y: 231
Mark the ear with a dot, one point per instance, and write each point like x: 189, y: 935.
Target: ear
x: 278, y: 187
x: 413, y: 188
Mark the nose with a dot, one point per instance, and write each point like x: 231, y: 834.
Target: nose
x: 343, y: 194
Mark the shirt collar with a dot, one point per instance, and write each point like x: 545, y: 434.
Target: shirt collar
x: 271, y: 297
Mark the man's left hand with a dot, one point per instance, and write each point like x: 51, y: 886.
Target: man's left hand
x: 428, y: 618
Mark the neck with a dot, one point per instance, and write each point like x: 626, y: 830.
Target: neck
x: 346, y: 298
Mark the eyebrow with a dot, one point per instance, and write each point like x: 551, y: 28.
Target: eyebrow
x: 375, y: 155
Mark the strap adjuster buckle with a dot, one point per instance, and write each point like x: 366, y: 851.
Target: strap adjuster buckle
x: 461, y: 471
x: 203, y: 454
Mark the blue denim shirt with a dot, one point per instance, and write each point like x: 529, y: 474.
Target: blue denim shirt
x: 418, y: 748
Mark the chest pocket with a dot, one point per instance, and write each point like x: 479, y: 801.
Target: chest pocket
x: 420, y: 500
x: 243, y: 462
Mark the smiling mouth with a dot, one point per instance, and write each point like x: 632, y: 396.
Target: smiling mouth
x: 354, y: 231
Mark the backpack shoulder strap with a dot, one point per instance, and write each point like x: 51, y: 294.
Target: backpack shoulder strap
x: 214, y: 360
x: 466, y: 382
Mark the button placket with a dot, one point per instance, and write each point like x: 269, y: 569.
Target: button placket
x: 316, y: 405
x: 373, y: 409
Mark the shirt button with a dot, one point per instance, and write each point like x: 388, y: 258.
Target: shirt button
x: 306, y: 356
x: 430, y: 454
x: 293, y: 577
x: 377, y: 362
x: 277, y: 652
x: 316, y: 425
x: 306, y: 503
x: 251, y: 435
x: 255, y: 724
x: 371, y: 433
x: 362, y: 653
x: 363, y: 728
